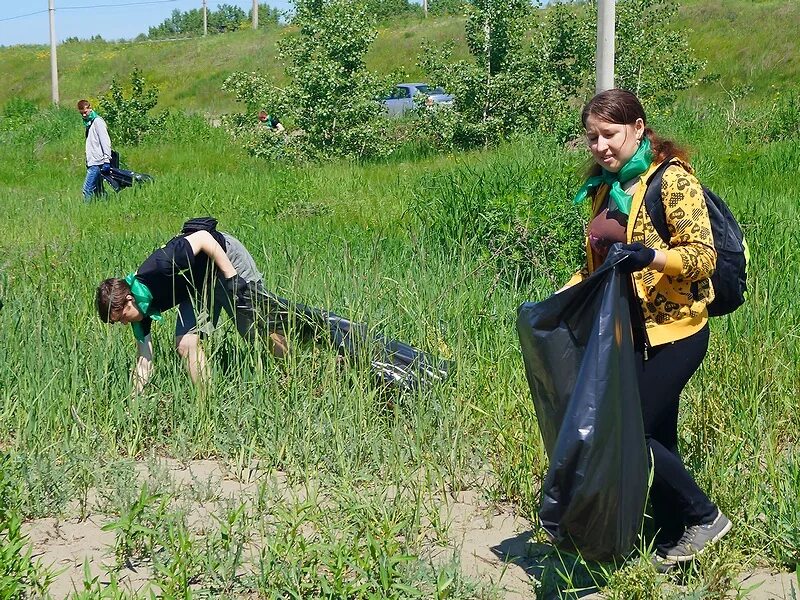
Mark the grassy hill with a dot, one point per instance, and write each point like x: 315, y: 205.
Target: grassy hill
x: 748, y: 45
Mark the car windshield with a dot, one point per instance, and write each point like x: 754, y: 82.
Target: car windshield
x: 426, y: 89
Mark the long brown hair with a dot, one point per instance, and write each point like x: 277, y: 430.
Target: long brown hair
x: 623, y: 108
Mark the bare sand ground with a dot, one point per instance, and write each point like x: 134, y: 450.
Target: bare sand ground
x: 492, y: 542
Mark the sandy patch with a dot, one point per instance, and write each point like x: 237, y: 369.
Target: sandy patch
x: 491, y: 541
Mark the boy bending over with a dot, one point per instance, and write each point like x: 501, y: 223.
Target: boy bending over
x: 201, y: 271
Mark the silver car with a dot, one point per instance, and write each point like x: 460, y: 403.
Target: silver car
x: 402, y: 97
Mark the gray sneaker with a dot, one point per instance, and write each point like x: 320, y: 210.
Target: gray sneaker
x: 696, y: 538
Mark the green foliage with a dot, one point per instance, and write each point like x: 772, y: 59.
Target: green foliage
x: 386, y: 9
x: 505, y: 89
x: 331, y: 98
x: 511, y: 213
x: 652, y: 59
x: 225, y: 19
x: 128, y: 117
x: 179, y: 24
x: 528, y: 71
x: 16, y: 113
x: 446, y: 7
x: 267, y: 15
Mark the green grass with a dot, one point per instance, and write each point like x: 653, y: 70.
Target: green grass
x: 344, y: 236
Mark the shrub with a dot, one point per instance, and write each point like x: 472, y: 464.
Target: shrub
x: 530, y: 70
x: 129, y: 118
x: 331, y: 98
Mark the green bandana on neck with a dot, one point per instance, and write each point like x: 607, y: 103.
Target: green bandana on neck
x: 88, y: 119
x: 638, y: 164
x: 143, y: 297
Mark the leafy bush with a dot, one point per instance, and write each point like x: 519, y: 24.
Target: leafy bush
x: 331, y: 98
x: 128, y: 118
x: 530, y: 70
x: 17, y: 112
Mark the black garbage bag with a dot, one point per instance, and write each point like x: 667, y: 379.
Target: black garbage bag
x: 394, y: 364
x: 121, y: 178
x: 578, y: 351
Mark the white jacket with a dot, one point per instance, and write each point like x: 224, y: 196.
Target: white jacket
x: 98, y: 144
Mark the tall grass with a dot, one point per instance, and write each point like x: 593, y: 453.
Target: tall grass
x: 355, y: 239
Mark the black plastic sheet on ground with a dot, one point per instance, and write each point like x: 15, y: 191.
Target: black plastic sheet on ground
x: 577, y: 347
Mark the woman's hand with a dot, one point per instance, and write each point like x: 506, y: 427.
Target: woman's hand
x: 637, y: 256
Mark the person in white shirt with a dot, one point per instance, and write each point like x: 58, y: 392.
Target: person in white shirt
x: 98, y: 150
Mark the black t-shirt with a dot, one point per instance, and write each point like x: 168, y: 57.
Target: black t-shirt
x: 173, y: 274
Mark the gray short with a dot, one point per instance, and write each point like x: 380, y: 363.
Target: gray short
x: 195, y: 316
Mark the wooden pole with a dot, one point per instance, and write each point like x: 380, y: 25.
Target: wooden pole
x: 255, y: 14
x: 604, y: 59
x: 53, y: 58
x: 205, y: 19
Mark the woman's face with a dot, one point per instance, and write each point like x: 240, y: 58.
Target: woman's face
x: 612, y: 144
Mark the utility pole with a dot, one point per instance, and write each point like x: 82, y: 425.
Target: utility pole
x: 604, y: 59
x: 53, y: 58
x: 425, y: 7
x: 205, y: 19
x: 255, y: 14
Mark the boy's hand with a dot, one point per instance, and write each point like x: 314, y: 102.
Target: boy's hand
x: 105, y: 168
x: 238, y: 291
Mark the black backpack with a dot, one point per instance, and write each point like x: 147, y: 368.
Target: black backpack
x: 730, y: 277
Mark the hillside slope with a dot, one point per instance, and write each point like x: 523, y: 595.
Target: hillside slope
x: 747, y: 44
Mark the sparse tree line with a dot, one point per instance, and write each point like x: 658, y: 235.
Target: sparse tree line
x: 225, y: 18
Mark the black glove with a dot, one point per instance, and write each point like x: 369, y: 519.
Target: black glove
x: 637, y: 257
x: 238, y: 291
x: 105, y: 168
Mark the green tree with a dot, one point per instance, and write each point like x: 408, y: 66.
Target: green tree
x: 331, y: 100
x: 446, y: 7
x: 503, y: 89
x: 227, y: 17
x: 531, y: 69
x: 386, y: 9
x: 267, y: 15
x: 127, y: 114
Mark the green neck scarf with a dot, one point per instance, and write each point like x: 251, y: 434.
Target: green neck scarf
x: 144, y: 298
x: 638, y: 164
x: 88, y: 119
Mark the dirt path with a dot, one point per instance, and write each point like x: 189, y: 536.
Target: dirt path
x: 492, y: 543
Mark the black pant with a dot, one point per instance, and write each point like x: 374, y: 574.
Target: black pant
x: 676, y: 500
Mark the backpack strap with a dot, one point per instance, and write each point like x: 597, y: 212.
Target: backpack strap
x: 653, y: 202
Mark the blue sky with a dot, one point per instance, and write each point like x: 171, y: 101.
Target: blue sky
x: 27, y: 22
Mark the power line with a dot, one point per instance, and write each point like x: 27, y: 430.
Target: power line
x: 115, y: 5
x: 38, y: 12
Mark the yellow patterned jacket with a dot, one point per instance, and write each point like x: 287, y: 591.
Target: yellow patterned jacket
x: 673, y: 301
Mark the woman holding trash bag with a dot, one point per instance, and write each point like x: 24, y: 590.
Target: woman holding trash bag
x: 670, y: 282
